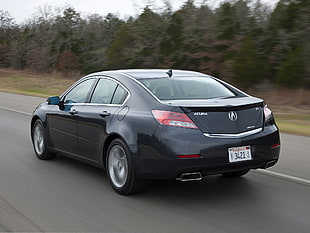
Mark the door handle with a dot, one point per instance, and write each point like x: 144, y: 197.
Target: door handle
x: 73, y: 111
x: 105, y: 114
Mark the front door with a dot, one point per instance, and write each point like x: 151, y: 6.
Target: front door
x: 62, y: 118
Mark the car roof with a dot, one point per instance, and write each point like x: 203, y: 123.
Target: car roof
x: 153, y: 73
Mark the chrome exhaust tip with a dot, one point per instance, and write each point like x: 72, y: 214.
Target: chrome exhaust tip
x: 270, y: 163
x: 190, y: 176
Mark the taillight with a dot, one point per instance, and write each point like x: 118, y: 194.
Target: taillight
x: 173, y: 119
x: 275, y: 146
x: 268, y: 114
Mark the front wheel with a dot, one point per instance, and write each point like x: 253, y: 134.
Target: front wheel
x: 120, y: 169
x: 39, y: 141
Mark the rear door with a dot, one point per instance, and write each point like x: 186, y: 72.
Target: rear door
x: 96, y: 116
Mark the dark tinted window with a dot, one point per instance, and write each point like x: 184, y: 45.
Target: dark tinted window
x: 80, y: 92
x: 186, y: 88
x: 104, y: 91
x: 119, y: 95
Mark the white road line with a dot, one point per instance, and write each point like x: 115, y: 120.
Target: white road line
x: 14, y: 110
x: 283, y: 176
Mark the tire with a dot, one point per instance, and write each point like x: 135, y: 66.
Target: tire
x: 120, y: 169
x: 236, y: 174
x: 39, y: 141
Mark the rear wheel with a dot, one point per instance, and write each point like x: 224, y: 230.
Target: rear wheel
x: 120, y: 169
x: 39, y: 141
x: 236, y: 174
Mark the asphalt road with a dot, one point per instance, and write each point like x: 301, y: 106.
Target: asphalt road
x: 67, y: 196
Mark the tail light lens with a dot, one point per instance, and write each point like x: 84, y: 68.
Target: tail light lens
x: 174, y: 119
x: 275, y: 146
x: 268, y: 115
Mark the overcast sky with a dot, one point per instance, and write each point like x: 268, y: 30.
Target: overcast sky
x: 20, y: 10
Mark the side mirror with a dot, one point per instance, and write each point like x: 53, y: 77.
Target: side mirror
x: 53, y: 100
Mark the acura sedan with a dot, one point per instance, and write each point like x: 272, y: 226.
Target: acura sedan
x: 141, y: 125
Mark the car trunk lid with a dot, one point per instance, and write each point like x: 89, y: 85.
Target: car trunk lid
x: 224, y: 116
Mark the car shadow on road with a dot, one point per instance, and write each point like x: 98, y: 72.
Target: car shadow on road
x: 211, y: 188
x: 214, y: 188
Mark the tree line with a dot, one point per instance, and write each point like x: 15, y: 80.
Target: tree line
x: 242, y: 40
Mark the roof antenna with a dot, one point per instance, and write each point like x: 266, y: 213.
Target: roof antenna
x: 169, y: 73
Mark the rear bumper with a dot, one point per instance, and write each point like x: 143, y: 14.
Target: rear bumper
x: 160, y: 160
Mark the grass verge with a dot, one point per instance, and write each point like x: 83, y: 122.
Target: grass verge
x: 298, y: 124
x: 294, y: 128
x: 28, y: 83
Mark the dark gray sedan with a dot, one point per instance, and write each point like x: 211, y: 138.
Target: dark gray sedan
x: 157, y: 124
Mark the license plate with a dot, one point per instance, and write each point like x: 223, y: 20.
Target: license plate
x: 241, y: 153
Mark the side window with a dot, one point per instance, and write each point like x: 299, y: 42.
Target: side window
x: 104, y: 92
x: 119, y: 95
x: 79, y: 93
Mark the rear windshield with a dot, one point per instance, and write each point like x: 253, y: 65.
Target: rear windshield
x: 186, y: 88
